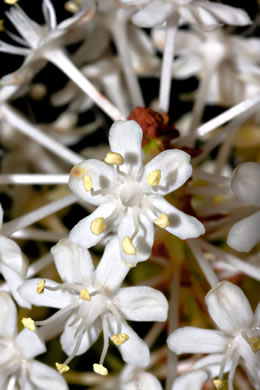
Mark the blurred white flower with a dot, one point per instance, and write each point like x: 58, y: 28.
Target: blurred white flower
x: 245, y: 184
x: 236, y: 338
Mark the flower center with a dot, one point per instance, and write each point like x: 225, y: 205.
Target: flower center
x: 131, y: 195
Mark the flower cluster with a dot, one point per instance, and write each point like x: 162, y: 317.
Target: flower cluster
x: 114, y: 233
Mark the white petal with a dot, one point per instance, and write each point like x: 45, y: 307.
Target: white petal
x: 229, y: 308
x: 30, y: 344
x: 175, y: 170
x: 192, y: 380
x: 111, y: 270
x: 14, y: 281
x: 68, y: 339
x: 8, y: 316
x: 181, y: 225
x: 125, y: 138
x: 44, y: 377
x: 11, y: 256
x: 142, y: 380
x: 134, y: 351
x: 153, y: 14
x: 245, y: 234
x: 74, y: 264
x: 57, y: 299
x: 186, y: 66
x: 142, y: 304
x: 101, y: 175
x: 196, y: 340
x: 142, y: 241
x: 245, y: 182
x: 81, y: 234
x: 1, y: 215
x: 226, y: 14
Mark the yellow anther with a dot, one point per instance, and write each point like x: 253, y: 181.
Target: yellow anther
x: 128, y: 246
x: 114, y: 159
x: 40, y: 287
x: 38, y: 91
x: 98, y: 226
x: 28, y: 323
x: 254, y: 343
x: 2, y: 25
x: 11, y: 2
x: 220, y: 384
x: 72, y: 7
x: 120, y: 338
x: 84, y: 294
x: 87, y: 183
x: 77, y: 171
x: 162, y: 221
x: 62, y: 368
x: 154, y: 177
x: 99, y: 369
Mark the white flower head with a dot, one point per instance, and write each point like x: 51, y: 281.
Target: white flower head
x: 91, y: 301
x: 245, y: 184
x: 204, y: 14
x: 18, y: 368
x: 237, y: 337
x: 13, y: 264
x: 130, y: 197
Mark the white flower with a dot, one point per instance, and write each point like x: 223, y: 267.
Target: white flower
x: 237, y: 337
x: 130, y: 196
x: 245, y: 184
x: 18, y: 369
x: 202, y: 13
x: 91, y: 301
x: 13, y: 264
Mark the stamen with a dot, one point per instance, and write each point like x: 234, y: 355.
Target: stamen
x: 84, y: 294
x: 62, y: 368
x: 117, y: 316
x: 40, y: 287
x: 114, y: 159
x: 162, y: 221
x: 99, y: 369
x: 28, y: 323
x: 77, y: 171
x: 154, y: 177
x: 220, y: 385
x: 254, y: 343
x: 127, y: 246
x: 58, y: 314
x: 119, y: 339
x: 98, y: 226
x: 87, y: 183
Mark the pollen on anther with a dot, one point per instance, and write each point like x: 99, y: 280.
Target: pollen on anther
x: 98, y: 226
x: 77, y: 171
x: 28, y: 323
x: 114, y: 159
x: 220, y: 384
x: 154, y: 178
x: 99, y: 369
x: 11, y: 2
x: 84, y: 294
x: 163, y: 221
x: 120, y: 338
x: 40, y: 287
x: 128, y: 247
x: 254, y: 343
x: 87, y: 183
x: 62, y: 368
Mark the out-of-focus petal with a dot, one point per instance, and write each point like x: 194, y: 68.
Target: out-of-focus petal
x: 44, y: 377
x: 196, y: 340
x: 153, y: 14
x: 8, y: 316
x: 245, y: 234
x: 245, y: 182
x: 229, y: 308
